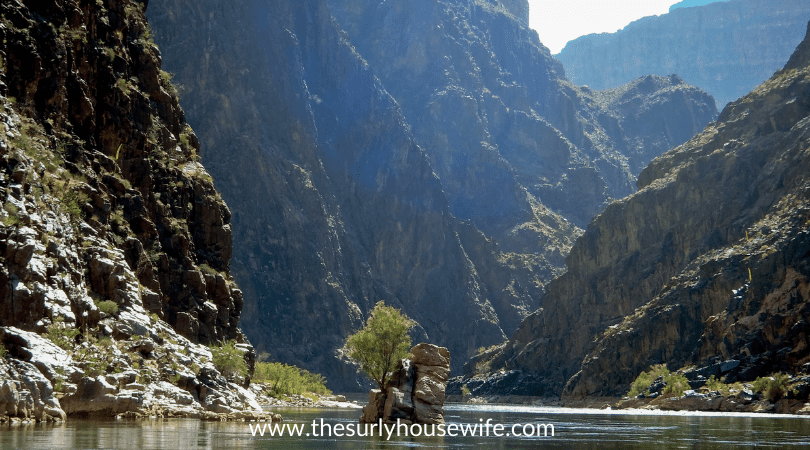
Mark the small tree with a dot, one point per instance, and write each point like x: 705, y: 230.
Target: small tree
x: 382, y: 343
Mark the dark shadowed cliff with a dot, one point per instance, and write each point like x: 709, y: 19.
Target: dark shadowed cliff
x: 453, y: 198
x: 725, y: 48
x: 502, y: 126
x: 707, y: 262
x: 336, y: 207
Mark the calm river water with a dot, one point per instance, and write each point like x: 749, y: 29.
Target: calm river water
x: 573, y: 429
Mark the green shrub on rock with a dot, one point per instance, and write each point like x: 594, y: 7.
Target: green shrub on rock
x: 229, y: 360
x: 382, y: 343
x: 108, y: 307
x: 642, y: 383
x: 676, y: 384
x: 773, y: 387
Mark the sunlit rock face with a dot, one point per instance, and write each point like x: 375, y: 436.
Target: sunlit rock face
x: 708, y: 262
x: 725, y: 48
x: 432, y: 155
x: 114, y: 245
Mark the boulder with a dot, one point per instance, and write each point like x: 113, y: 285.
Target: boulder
x: 374, y: 408
x: 415, y: 393
x: 26, y: 393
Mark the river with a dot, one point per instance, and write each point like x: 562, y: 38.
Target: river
x: 572, y: 429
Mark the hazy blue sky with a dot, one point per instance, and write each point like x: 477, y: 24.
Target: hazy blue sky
x: 559, y: 21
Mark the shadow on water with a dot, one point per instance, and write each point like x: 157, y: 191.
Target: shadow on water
x: 572, y: 429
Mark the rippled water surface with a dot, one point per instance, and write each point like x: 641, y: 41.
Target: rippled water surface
x: 573, y: 429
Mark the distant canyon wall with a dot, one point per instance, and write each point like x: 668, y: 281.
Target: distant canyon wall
x: 725, y: 48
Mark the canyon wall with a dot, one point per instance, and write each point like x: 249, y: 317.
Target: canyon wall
x: 725, y: 48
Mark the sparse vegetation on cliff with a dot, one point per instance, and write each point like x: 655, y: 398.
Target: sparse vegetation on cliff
x: 229, y: 360
x: 62, y: 334
x: 102, y: 230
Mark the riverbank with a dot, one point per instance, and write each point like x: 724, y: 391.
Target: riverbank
x: 691, y: 401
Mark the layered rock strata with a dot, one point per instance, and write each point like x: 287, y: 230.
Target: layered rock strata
x: 708, y: 262
x: 725, y: 48
x: 113, y: 242
x: 415, y: 393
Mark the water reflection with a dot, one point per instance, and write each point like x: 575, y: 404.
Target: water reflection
x: 573, y: 429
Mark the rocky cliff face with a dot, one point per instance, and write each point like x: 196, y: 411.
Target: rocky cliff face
x: 725, y: 48
x: 111, y: 230
x: 708, y: 262
x: 336, y: 207
x: 503, y: 128
x: 455, y: 199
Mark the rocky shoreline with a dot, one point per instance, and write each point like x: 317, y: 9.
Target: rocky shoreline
x: 692, y: 401
x: 149, y: 376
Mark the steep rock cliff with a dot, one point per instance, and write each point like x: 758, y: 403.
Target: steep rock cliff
x: 725, y: 48
x: 336, y: 207
x: 503, y: 128
x: 707, y: 262
x: 111, y: 230
x: 336, y: 202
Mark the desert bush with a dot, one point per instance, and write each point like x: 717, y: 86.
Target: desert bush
x: 642, y: 383
x: 62, y: 334
x: 229, y: 360
x: 773, y: 387
x: 108, y: 307
x: 676, y: 384
x: 287, y: 379
x: 381, y: 343
x: 713, y: 384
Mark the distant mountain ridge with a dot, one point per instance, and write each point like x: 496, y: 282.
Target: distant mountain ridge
x: 725, y: 48
x: 691, y: 3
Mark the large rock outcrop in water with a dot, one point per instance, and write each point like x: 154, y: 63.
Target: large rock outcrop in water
x: 725, y: 48
x: 457, y: 211
x: 114, y: 245
x: 709, y: 261
x: 415, y: 393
